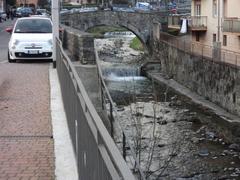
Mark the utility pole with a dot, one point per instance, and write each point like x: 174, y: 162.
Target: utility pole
x: 55, y: 20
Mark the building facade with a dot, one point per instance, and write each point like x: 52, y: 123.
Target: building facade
x: 26, y: 2
x: 2, y: 5
x: 79, y: 2
x: 216, y: 21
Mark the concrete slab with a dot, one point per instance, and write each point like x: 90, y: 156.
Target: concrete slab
x: 65, y: 161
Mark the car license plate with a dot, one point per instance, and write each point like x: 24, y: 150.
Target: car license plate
x: 32, y: 52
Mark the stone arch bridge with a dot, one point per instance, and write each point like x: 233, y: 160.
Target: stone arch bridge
x: 140, y: 23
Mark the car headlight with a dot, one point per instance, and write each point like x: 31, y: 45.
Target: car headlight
x: 15, y: 43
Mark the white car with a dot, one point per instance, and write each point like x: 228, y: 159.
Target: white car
x: 31, y: 38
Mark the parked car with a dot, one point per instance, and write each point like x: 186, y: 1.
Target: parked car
x: 26, y: 12
x: 31, y: 38
x: 42, y: 12
x: 18, y: 12
x: 3, y: 16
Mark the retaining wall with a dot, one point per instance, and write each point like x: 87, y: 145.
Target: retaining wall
x: 216, y: 81
x: 79, y: 45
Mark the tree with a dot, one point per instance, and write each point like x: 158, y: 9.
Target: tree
x: 11, y: 2
x: 42, y: 3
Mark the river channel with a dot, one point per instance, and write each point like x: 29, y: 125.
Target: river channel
x: 173, y: 137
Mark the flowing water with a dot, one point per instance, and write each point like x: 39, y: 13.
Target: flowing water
x: 173, y: 137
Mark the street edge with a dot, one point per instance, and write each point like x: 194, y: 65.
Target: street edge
x: 65, y: 161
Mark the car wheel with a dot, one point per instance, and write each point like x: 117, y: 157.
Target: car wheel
x: 10, y: 60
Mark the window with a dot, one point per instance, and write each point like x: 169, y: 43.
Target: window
x: 214, y: 37
x: 225, y: 7
x: 197, y: 10
x: 197, y: 37
x: 224, y: 40
x: 33, y: 25
x: 214, y: 8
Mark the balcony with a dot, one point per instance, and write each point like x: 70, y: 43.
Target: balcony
x: 231, y: 25
x: 174, y: 22
x: 198, y: 23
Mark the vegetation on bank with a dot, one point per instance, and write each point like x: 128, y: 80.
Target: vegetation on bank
x: 99, y: 31
x: 136, y: 44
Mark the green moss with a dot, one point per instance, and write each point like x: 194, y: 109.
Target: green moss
x: 173, y: 32
x: 136, y: 44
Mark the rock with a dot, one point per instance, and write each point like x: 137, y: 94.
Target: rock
x: 163, y: 122
x: 201, y: 130
x: 223, y: 177
x: 210, y: 135
x: 203, y: 152
x: 161, y: 145
x: 237, y: 170
x: 232, y: 163
x: 231, y: 169
x: 234, y: 147
x: 234, y: 175
x: 195, y: 140
x: 120, y: 108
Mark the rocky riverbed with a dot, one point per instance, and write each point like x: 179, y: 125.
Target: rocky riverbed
x: 173, y: 137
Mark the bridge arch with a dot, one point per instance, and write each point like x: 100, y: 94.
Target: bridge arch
x: 141, y: 24
x: 131, y: 28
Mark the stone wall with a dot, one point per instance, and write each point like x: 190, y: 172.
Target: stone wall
x: 139, y: 23
x: 216, y: 81
x: 79, y: 45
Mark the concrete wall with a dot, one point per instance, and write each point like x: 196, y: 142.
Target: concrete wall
x: 79, y: 45
x: 216, y: 81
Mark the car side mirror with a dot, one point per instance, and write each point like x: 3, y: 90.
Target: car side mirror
x: 9, y: 30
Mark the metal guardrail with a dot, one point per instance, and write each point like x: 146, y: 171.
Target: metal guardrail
x: 114, y: 118
x: 96, y: 153
x: 231, y: 25
x: 201, y: 50
x: 174, y: 21
x: 198, y: 22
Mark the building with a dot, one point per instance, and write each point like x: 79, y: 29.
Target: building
x: 216, y: 23
x: 27, y: 2
x: 79, y: 2
x: 2, y: 5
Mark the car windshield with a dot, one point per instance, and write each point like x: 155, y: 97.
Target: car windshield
x: 33, y: 26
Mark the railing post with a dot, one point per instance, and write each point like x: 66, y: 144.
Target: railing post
x: 184, y: 48
x: 236, y: 59
x: 111, y: 118
x: 102, y: 95
x: 76, y: 136
x: 124, y: 146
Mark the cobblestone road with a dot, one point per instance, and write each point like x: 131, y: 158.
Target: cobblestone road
x: 26, y: 144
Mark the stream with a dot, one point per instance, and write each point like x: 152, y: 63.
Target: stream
x: 173, y: 137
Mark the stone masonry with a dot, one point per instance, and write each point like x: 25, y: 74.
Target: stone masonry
x: 216, y: 81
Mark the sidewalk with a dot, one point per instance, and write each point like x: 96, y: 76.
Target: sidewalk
x: 30, y: 146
